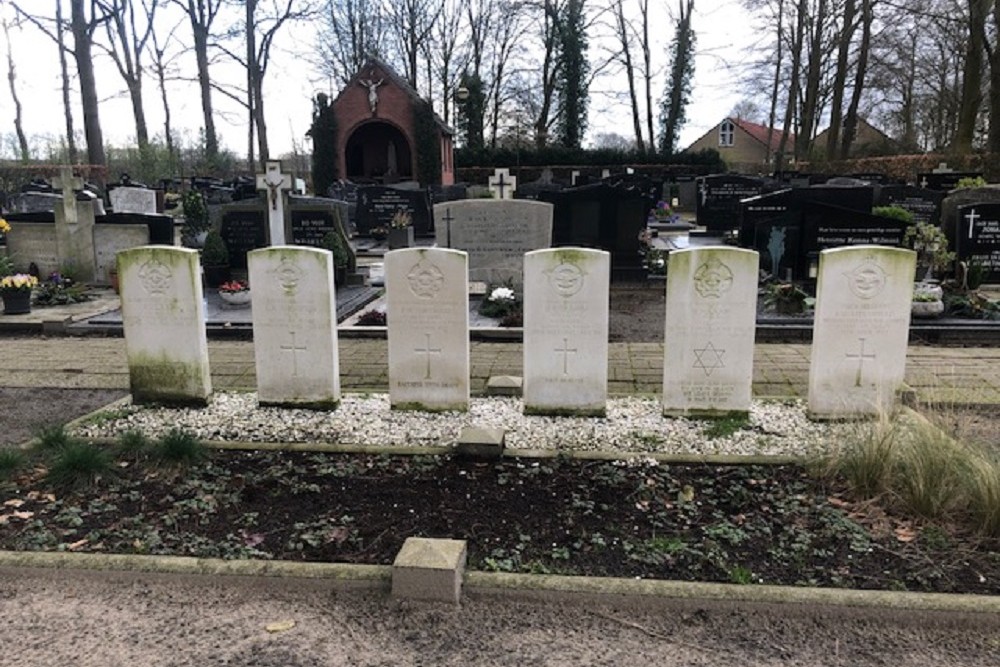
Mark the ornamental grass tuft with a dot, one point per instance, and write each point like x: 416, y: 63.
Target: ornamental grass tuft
x: 79, y: 463
x: 51, y: 438
x: 11, y: 460
x: 179, y: 447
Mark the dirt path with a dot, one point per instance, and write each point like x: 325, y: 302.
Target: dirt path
x: 61, y: 618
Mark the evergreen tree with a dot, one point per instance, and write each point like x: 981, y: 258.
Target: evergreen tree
x: 324, y: 154
x: 678, y: 91
x: 472, y: 111
x: 573, y: 73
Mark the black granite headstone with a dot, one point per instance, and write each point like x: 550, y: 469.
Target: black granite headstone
x: 377, y: 205
x: 945, y: 181
x: 978, y: 239
x: 826, y: 226
x: 442, y: 193
x: 243, y: 230
x: 923, y: 203
x: 718, y: 200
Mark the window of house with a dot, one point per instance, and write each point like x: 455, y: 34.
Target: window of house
x: 726, y: 132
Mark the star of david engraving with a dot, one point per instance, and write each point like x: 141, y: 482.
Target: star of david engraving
x: 708, y: 359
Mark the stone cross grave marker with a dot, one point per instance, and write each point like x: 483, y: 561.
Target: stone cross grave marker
x: 164, y: 323
x: 566, y: 331
x: 74, y: 228
x: 427, y: 304
x: 276, y: 184
x: 496, y: 234
x: 295, y: 327
x: 861, y: 329
x: 710, y: 325
x: 502, y: 184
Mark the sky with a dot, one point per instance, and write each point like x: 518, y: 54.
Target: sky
x: 724, y: 37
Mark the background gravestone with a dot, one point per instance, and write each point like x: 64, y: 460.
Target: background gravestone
x: 243, y: 228
x: 132, y: 200
x: 923, y: 203
x: 978, y: 238
x: 312, y: 218
x: 109, y: 240
x: 495, y: 234
x: 951, y: 223
x: 377, y: 205
x: 718, y: 199
x: 945, y: 181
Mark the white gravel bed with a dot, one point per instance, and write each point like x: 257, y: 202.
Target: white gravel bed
x: 633, y: 424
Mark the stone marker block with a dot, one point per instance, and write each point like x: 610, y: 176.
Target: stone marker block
x: 429, y: 569
x: 504, y: 385
x: 480, y: 442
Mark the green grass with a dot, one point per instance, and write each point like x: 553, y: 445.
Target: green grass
x: 79, y: 463
x: 133, y: 444
x: 11, y: 460
x: 725, y: 427
x: 53, y: 437
x: 180, y: 448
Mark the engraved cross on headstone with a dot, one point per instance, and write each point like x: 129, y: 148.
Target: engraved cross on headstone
x: 427, y: 351
x: 294, y: 349
x: 972, y: 216
x: 923, y: 182
x: 69, y: 184
x: 276, y: 184
x: 502, y: 184
x: 448, y: 218
x: 566, y: 350
x: 861, y: 357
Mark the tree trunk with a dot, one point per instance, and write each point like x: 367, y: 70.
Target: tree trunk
x: 851, y: 118
x: 67, y: 105
x: 200, y: 34
x: 810, y: 112
x: 793, y: 90
x: 773, y: 111
x: 647, y: 74
x: 972, y: 78
x: 252, y: 76
x: 993, y: 140
x: 840, y: 79
x: 623, y: 35
x: 22, y: 140
x: 88, y: 84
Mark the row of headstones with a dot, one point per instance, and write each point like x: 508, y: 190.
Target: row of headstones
x: 858, y: 353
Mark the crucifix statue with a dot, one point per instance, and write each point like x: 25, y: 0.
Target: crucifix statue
x: 276, y: 183
x: 372, y: 85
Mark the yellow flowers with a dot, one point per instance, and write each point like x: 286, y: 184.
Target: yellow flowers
x: 18, y: 281
x: 4, y: 226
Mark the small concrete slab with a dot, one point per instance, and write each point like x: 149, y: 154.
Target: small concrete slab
x: 479, y: 442
x: 504, y: 385
x: 429, y: 569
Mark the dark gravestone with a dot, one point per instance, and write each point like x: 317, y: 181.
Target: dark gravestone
x: 945, y: 181
x: 687, y: 192
x: 786, y: 206
x: 312, y: 218
x: 871, y: 177
x: 718, y: 201
x: 825, y: 226
x: 161, y: 227
x: 244, y: 228
x: 377, y: 205
x: 605, y: 215
x: 442, y: 193
x: 950, y: 221
x: 924, y: 204
x: 978, y: 239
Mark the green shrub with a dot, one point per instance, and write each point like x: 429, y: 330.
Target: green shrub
x: 78, y: 464
x: 215, y: 252
x: 133, y: 443
x: 894, y: 213
x: 179, y: 447
x: 335, y: 244
x: 53, y: 437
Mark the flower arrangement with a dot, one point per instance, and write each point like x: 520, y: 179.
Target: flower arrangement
x: 60, y: 290
x: 662, y: 213
x: 234, y: 287
x: 401, y: 219
x: 4, y: 226
x: 19, y: 282
x: 501, y: 302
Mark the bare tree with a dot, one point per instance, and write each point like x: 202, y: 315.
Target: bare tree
x: 844, y: 39
x: 625, y: 33
x: 83, y: 26
x: 350, y: 33
x: 126, y: 46
x: 201, y: 15
x: 972, y: 76
x: 22, y: 140
x: 412, y: 23
x: 162, y: 65
x: 445, y: 53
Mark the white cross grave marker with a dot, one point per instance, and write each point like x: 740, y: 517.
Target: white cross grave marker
x: 68, y: 183
x: 276, y: 183
x: 502, y: 184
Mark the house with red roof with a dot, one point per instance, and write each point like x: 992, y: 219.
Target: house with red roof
x: 746, y: 147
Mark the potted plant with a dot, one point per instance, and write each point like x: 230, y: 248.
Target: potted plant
x: 16, y: 292
x: 380, y: 233
x: 931, y: 246
x: 196, y: 224
x: 235, y: 293
x: 786, y: 298
x: 215, y: 259
x: 401, y: 230
x: 341, y: 258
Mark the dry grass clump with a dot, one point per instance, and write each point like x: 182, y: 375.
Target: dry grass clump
x: 921, y: 470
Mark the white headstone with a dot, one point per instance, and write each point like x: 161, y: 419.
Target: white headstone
x: 861, y: 329
x: 502, y: 184
x: 709, y: 336
x: 68, y: 184
x: 295, y: 327
x: 275, y: 184
x: 109, y: 240
x: 427, y: 306
x: 566, y: 331
x: 75, y: 239
x: 495, y: 234
x: 164, y: 322
x: 133, y: 200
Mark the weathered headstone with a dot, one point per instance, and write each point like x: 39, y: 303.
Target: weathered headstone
x: 428, y: 309
x: 164, y: 324
x: 377, y: 205
x: 133, y: 200
x: 295, y: 327
x: 74, y: 229
x: 566, y: 331
x: 860, y: 330
x: 109, y: 240
x: 495, y: 234
x: 978, y: 239
x: 502, y: 184
x: 710, y: 324
x: 33, y: 242
x: 276, y: 184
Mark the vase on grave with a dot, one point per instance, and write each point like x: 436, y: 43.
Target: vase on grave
x: 16, y: 301
x: 235, y: 299
x: 400, y: 237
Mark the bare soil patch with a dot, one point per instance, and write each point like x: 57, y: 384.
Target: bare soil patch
x: 27, y: 410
